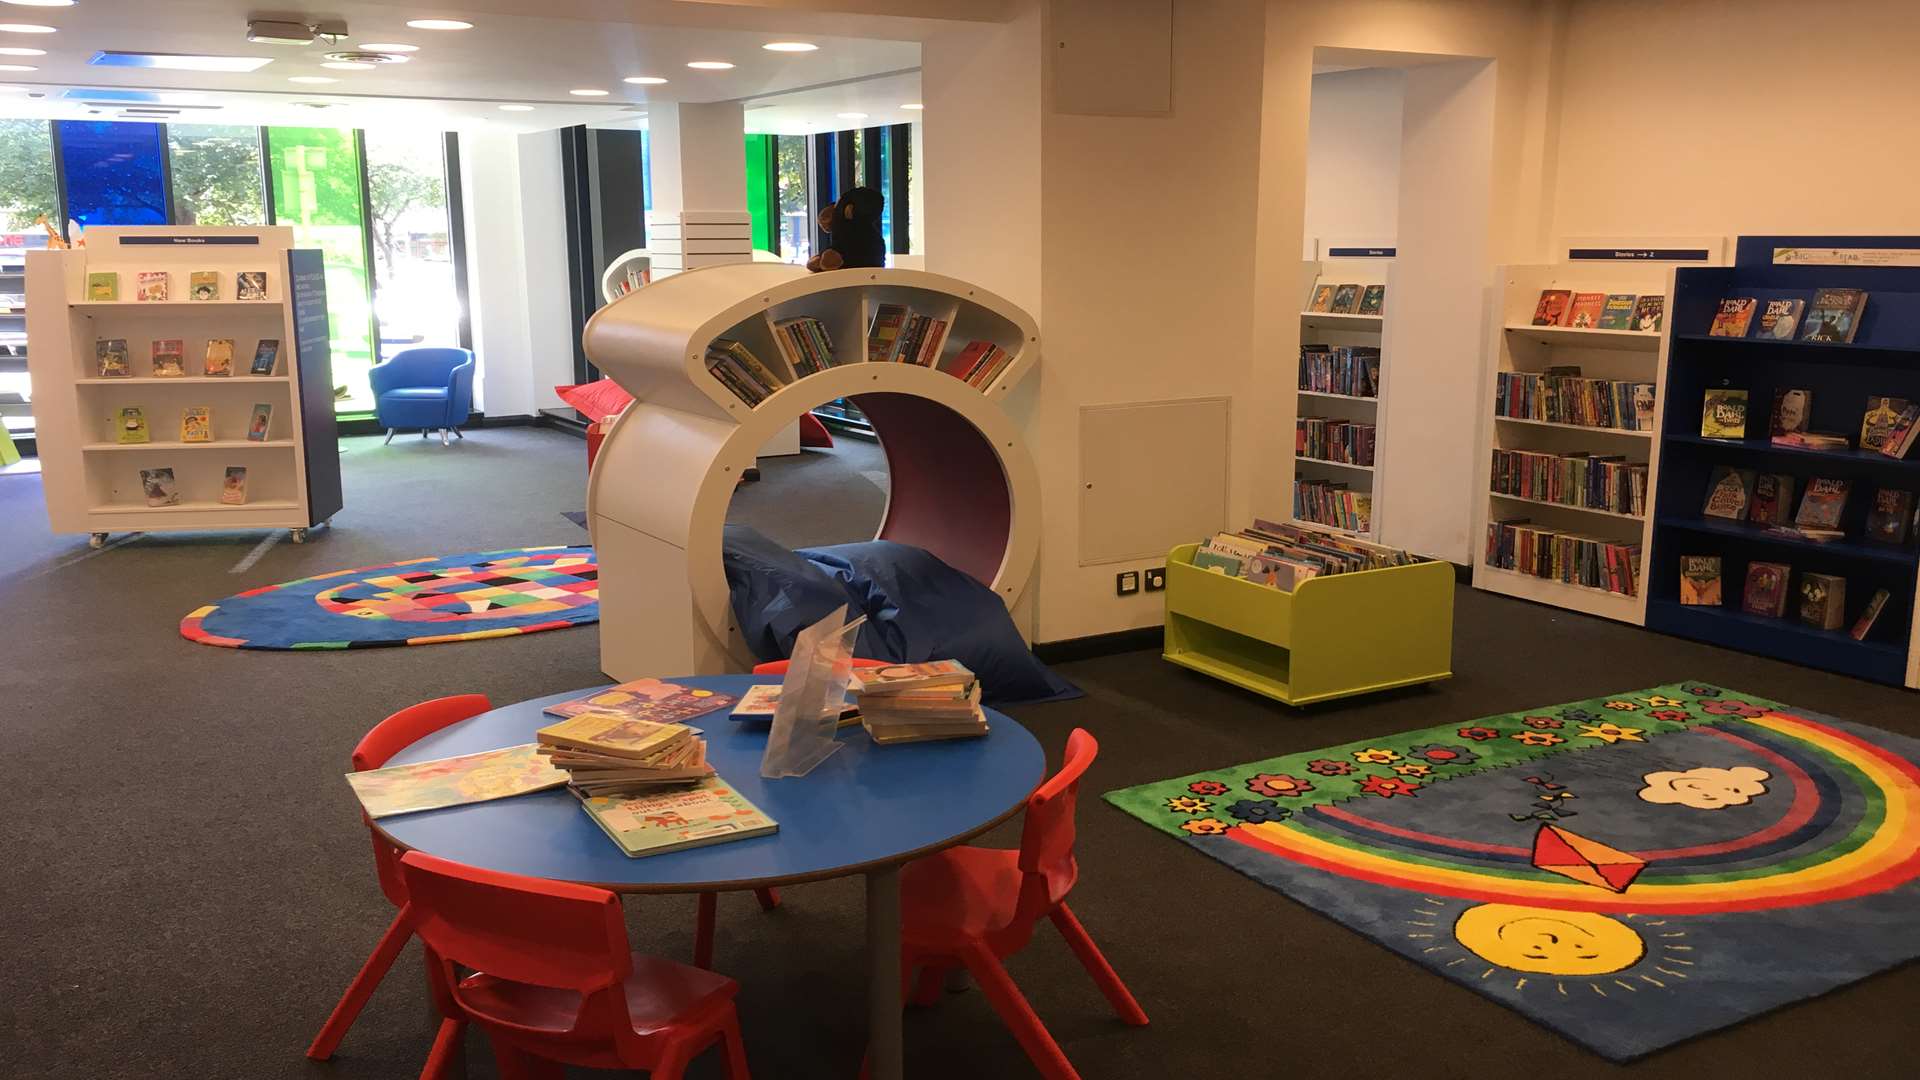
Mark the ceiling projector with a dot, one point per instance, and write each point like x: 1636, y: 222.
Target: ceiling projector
x: 277, y: 32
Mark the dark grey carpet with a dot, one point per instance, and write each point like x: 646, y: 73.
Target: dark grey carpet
x: 187, y: 887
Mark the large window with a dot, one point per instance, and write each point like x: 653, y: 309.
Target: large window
x: 27, y: 191
x: 216, y: 174
x: 415, y: 295
x: 317, y: 190
x: 27, y: 187
x: 796, y: 226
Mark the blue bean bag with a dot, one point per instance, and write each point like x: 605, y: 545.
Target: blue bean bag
x: 917, y: 607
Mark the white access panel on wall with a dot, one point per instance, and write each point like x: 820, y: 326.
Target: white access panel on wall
x: 1153, y: 474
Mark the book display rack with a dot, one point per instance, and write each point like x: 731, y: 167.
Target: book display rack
x: 182, y: 380
x: 1567, y: 456
x: 1345, y: 314
x: 1826, y: 387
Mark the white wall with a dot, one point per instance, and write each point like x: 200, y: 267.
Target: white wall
x: 1353, y: 156
x: 516, y: 270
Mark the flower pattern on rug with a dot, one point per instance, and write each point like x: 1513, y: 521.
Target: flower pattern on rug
x: 1542, y: 722
x: 1671, y: 716
x: 1205, y: 826
x: 1207, y: 787
x: 1413, y: 768
x: 1387, y: 786
x: 1478, y: 733
x: 1731, y: 708
x: 1537, y: 738
x: 1187, y: 804
x: 1255, y: 811
x: 1374, y: 755
x: 1278, y: 784
x: 1442, y: 754
x: 1611, y: 733
x: 1330, y: 767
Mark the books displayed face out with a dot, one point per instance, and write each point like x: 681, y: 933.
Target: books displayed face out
x: 250, y: 285
x: 153, y: 285
x: 453, y: 781
x: 203, y: 285
x: 169, y: 358
x: 196, y: 424
x: 110, y: 359
x: 653, y: 700
x: 219, y: 358
x: 1728, y: 493
x: 1282, y: 556
x: 1583, y: 313
x: 1772, y: 499
x: 1322, y: 298
x: 1779, y: 319
x: 1834, y: 315
x: 709, y: 812
x: 265, y: 355
x: 233, y: 489
x: 1869, y: 615
x: 1552, y: 308
x: 131, y: 426
x: 1647, y: 312
x: 1878, y: 423
x: 1823, y: 600
x: 1598, y: 311
x: 1700, y: 580
x: 1734, y: 317
x: 1792, y: 409
x: 1891, y: 516
x: 1766, y: 591
x: 1373, y: 300
x: 1821, y: 506
x: 1346, y: 300
x: 1902, y: 432
x: 260, y: 423
x: 1617, y: 312
x: 159, y: 487
x: 1723, y: 415
x: 103, y: 286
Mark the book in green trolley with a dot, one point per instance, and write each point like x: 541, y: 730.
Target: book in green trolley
x: 710, y: 812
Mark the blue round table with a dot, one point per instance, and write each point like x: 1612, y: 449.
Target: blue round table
x: 868, y: 809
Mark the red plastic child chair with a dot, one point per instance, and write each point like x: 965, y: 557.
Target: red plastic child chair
x: 552, y: 981
x: 969, y: 907
x: 389, y: 737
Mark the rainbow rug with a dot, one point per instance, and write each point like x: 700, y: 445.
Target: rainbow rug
x: 429, y: 601
x: 1629, y: 871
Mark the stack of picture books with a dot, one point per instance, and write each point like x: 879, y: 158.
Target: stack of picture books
x: 1334, y: 503
x: 1599, y: 311
x: 805, y: 343
x: 1593, y: 481
x: 1571, y: 559
x: 1353, y: 370
x: 1282, y: 556
x: 924, y: 702
x: 1561, y: 396
x: 629, y: 738
x: 741, y: 372
x: 1329, y: 439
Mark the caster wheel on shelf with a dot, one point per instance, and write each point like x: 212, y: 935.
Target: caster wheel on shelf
x: 299, y: 536
x: 97, y: 540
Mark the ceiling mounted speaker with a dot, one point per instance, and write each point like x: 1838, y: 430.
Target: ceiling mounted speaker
x: 360, y: 56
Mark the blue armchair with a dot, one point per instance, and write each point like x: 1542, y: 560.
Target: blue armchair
x: 424, y: 388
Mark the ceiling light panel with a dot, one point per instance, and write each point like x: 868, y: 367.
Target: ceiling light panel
x: 439, y: 24
x: 710, y: 65
x: 180, y: 61
x: 790, y: 46
x: 26, y: 28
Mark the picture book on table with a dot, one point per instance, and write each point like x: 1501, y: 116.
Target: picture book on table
x: 1878, y: 422
x: 1345, y: 299
x: 883, y: 333
x: 1779, y: 319
x: 1734, y: 317
x: 152, y: 285
x: 1617, y: 312
x: 710, y: 812
x: 1723, y: 415
x: 203, y: 285
x: 1772, y: 499
x: 169, y: 358
x: 103, y: 286
x: 1823, y: 600
x: 1552, y: 308
x: 646, y: 699
x: 1766, y: 591
x: 233, y: 488
x: 1583, y: 313
x: 1322, y: 298
x: 219, y: 359
x: 250, y: 285
x: 1791, y: 411
x: 260, y: 422
x: 1904, y: 432
x: 1834, y: 315
x: 612, y: 734
x: 1864, y: 624
x: 1373, y: 299
x: 159, y: 487
x: 762, y: 700
x: 196, y: 424
x: 1700, y: 581
x: 130, y: 427
x: 1891, y: 516
x: 1647, y: 312
x: 1728, y: 493
x: 896, y: 677
x: 110, y: 358
x: 265, y: 356
x: 1821, y: 506
x: 454, y: 781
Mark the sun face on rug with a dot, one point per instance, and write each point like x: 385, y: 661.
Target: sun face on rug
x: 489, y: 590
x: 1547, y: 941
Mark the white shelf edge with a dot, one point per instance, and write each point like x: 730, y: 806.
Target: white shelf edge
x: 155, y: 304
x: 1574, y: 427
x: 1637, y: 339
x: 193, y: 507
x: 1337, y: 397
x: 1587, y: 599
x: 1334, y: 464
x: 1562, y: 506
x: 1343, y: 316
x: 148, y: 380
x: 220, y: 444
x: 1309, y: 523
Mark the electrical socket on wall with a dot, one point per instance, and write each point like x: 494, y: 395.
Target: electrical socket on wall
x: 1126, y: 582
x: 1156, y: 578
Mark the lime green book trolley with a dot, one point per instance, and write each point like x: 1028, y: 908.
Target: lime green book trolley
x: 1332, y: 637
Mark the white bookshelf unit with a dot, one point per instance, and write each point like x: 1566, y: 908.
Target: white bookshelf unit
x: 1515, y: 345
x: 1339, y: 329
x: 92, y: 480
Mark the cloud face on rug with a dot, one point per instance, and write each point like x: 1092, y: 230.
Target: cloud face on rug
x: 1706, y: 788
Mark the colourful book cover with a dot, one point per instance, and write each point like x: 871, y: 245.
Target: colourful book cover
x: 131, y: 426
x: 1552, y: 308
x: 1373, y: 299
x: 1834, y: 315
x: 1345, y: 299
x: 250, y: 285
x: 654, y: 700
x: 1864, y: 624
x: 1648, y: 311
x: 260, y: 422
x: 1700, y: 580
x: 152, y: 285
x: 1723, y: 415
x: 203, y: 285
x: 613, y: 734
x: 1791, y: 411
x: 1322, y: 298
x: 1779, y: 319
x: 1617, y: 312
x: 233, y: 488
x: 1892, y: 514
x: 219, y: 359
x: 1772, y: 499
x: 159, y: 487
x: 1766, y: 592
x: 1880, y: 421
x: 893, y: 677
x: 1729, y: 493
x: 710, y: 812
x: 1585, y: 310
x: 1823, y: 600
x: 1821, y: 506
x: 762, y: 700
x: 103, y: 286
x: 1734, y: 317
x: 265, y: 356
x: 883, y: 334
x: 169, y: 358
x: 454, y: 781
x: 1906, y: 429
x: 196, y: 424
x: 110, y: 358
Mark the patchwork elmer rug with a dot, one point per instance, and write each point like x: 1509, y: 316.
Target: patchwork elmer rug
x: 1629, y: 871
x: 427, y: 601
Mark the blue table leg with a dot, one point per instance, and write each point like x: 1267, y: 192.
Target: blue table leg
x: 885, y: 1044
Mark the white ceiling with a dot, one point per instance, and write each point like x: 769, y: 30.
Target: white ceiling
x: 458, y: 79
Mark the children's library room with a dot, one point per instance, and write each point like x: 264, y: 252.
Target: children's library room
x: 1118, y: 539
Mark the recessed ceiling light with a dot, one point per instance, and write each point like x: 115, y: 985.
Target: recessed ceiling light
x: 439, y: 24
x: 40, y: 3
x: 26, y: 28
x: 18, y: 67
x: 179, y: 61
x: 790, y: 46
x: 914, y: 107
x: 644, y: 80
x: 21, y: 50
x: 851, y: 115
x: 315, y: 79
x: 587, y: 92
x: 516, y: 108
x: 709, y: 65
x: 347, y: 65
x: 389, y: 46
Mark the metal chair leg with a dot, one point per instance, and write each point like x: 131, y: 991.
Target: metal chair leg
x: 424, y: 433
x: 389, y: 441
x: 458, y: 434
x: 444, y: 441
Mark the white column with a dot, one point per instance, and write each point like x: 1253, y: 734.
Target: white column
x: 699, y: 178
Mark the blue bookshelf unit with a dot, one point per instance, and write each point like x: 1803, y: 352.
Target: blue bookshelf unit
x: 1882, y: 360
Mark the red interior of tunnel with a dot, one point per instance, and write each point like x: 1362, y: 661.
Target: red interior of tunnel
x: 950, y: 495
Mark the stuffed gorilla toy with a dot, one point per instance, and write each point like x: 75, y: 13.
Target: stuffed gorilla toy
x: 854, y: 224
